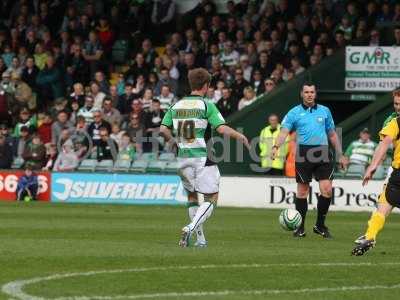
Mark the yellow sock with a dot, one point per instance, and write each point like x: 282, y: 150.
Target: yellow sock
x: 375, y: 224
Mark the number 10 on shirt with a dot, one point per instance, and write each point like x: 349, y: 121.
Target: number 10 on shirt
x: 186, y: 130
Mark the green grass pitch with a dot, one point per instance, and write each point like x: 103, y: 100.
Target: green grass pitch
x: 249, y: 255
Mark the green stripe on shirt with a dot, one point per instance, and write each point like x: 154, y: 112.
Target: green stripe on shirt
x: 192, y: 152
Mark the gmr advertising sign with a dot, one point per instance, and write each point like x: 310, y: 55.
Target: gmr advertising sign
x: 372, y: 68
x: 117, y: 189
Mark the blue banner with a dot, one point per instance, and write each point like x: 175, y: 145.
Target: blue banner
x: 117, y: 188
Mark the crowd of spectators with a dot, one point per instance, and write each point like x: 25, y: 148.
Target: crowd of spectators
x: 62, y: 92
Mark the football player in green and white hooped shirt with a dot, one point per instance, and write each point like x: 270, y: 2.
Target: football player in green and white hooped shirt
x: 191, y: 120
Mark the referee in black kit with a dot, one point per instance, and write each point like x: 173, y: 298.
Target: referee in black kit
x: 315, y: 128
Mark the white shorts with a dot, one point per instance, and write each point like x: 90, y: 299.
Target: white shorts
x: 196, y: 177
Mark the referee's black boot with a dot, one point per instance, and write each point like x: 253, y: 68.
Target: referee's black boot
x: 299, y: 233
x: 322, y: 231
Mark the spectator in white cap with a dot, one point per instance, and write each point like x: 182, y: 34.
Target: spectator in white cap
x: 67, y: 160
x: 246, y: 67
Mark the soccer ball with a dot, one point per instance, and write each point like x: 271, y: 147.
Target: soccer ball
x: 290, y: 219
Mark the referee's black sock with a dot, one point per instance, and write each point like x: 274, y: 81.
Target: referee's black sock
x: 301, y: 207
x: 323, y: 207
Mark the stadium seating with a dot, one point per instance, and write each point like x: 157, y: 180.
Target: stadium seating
x: 105, y: 165
x: 387, y: 162
x: 147, y: 157
x: 167, y: 156
x: 355, y: 170
x: 122, y: 165
x: 339, y: 173
x: 146, y: 162
x: 17, y: 163
x: 156, y: 166
x: 171, y: 167
x: 380, y: 173
x: 88, y: 165
x: 139, y: 166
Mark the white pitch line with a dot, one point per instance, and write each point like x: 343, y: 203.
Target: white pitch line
x: 233, y: 292
x: 15, y: 288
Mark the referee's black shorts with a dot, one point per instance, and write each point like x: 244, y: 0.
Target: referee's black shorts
x: 314, y: 161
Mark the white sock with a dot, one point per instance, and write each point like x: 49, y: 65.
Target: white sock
x: 199, y: 232
x: 192, y: 211
x: 203, y: 213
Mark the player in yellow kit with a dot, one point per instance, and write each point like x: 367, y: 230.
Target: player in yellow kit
x: 390, y: 196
